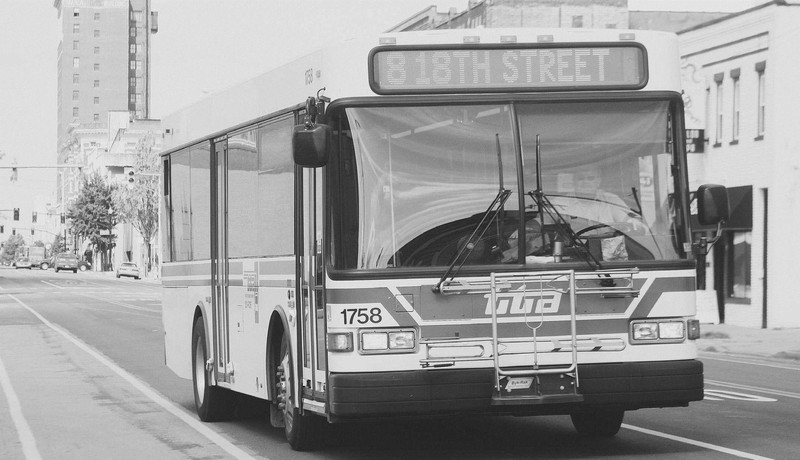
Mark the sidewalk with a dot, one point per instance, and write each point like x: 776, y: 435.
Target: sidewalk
x: 774, y: 343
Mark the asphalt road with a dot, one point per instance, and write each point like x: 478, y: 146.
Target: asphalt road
x: 82, y: 376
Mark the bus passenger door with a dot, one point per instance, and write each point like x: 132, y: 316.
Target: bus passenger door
x: 219, y: 262
x: 313, y: 314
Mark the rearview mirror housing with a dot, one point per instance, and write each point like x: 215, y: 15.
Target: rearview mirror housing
x: 310, y: 145
x: 712, y: 204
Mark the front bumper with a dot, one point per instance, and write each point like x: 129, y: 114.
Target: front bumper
x: 625, y: 386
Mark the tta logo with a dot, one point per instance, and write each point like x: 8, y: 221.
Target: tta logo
x: 522, y: 302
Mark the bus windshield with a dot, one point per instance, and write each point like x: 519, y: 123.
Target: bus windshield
x: 415, y: 181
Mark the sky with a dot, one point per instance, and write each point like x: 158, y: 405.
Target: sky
x: 202, y: 46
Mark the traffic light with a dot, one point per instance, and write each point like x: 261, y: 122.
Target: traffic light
x: 63, y: 219
x: 16, y: 213
x: 33, y: 217
x: 31, y: 232
x: 2, y: 229
x: 130, y: 175
x: 14, y: 174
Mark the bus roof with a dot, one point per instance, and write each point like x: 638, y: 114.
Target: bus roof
x: 343, y: 70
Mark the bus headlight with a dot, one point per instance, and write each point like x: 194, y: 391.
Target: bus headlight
x: 340, y: 341
x: 387, y: 341
x: 671, y: 330
x: 658, y: 331
x: 645, y: 331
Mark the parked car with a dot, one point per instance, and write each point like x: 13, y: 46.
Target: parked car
x: 84, y: 265
x: 66, y: 261
x: 22, y: 262
x: 128, y: 269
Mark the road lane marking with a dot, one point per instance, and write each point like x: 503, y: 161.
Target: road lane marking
x: 144, y: 388
x: 53, y: 285
x: 725, y: 394
x: 768, y: 391
x: 24, y: 432
x: 705, y: 445
x: 752, y: 363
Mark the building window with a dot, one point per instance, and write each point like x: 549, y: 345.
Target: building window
x: 76, y: 12
x: 718, y: 110
x: 96, y: 117
x: 138, y: 16
x: 96, y: 50
x: 76, y: 78
x: 97, y: 16
x: 577, y: 21
x: 76, y: 62
x: 97, y: 83
x: 132, y: 98
x: 76, y: 45
x: 75, y: 112
x: 133, y: 65
x: 762, y: 99
x: 76, y: 95
x: 138, y: 64
x: 132, y: 48
x: 133, y: 82
x: 138, y: 98
x: 735, y: 102
x: 96, y: 33
x: 97, y: 99
x: 76, y: 28
x: 139, y: 82
x: 96, y: 66
x: 133, y: 31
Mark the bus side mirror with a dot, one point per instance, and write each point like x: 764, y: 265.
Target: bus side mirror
x: 310, y: 145
x: 712, y: 204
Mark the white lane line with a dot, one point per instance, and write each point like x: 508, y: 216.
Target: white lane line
x: 53, y: 285
x: 24, y: 432
x: 768, y: 391
x: 144, y: 388
x: 752, y: 363
x: 705, y: 445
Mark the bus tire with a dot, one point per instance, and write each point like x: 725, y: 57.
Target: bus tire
x: 600, y: 423
x: 302, y: 430
x: 213, y: 403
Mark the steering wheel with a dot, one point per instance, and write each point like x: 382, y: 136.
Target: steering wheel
x: 579, y: 233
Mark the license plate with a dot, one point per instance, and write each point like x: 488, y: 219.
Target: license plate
x: 519, y: 383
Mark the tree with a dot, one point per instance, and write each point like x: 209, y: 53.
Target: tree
x: 92, y: 215
x: 10, y: 248
x: 59, y: 245
x: 138, y: 201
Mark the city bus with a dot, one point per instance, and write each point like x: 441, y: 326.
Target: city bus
x: 435, y: 223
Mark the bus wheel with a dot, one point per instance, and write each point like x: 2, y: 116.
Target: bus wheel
x: 302, y: 431
x: 603, y: 423
x: 212, y: 402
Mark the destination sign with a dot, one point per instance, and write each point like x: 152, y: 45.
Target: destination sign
x: 396, y: 70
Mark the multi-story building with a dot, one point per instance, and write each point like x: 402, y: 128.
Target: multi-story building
x: 739, y: 72
x: 103, y: 96
x: 103, y: 65
x: 598, y: 14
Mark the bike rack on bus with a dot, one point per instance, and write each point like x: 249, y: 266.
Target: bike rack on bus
x: 544, y: 384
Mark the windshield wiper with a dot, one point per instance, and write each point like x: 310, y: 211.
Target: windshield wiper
x: 467, y: 247
x: 562, y: 226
